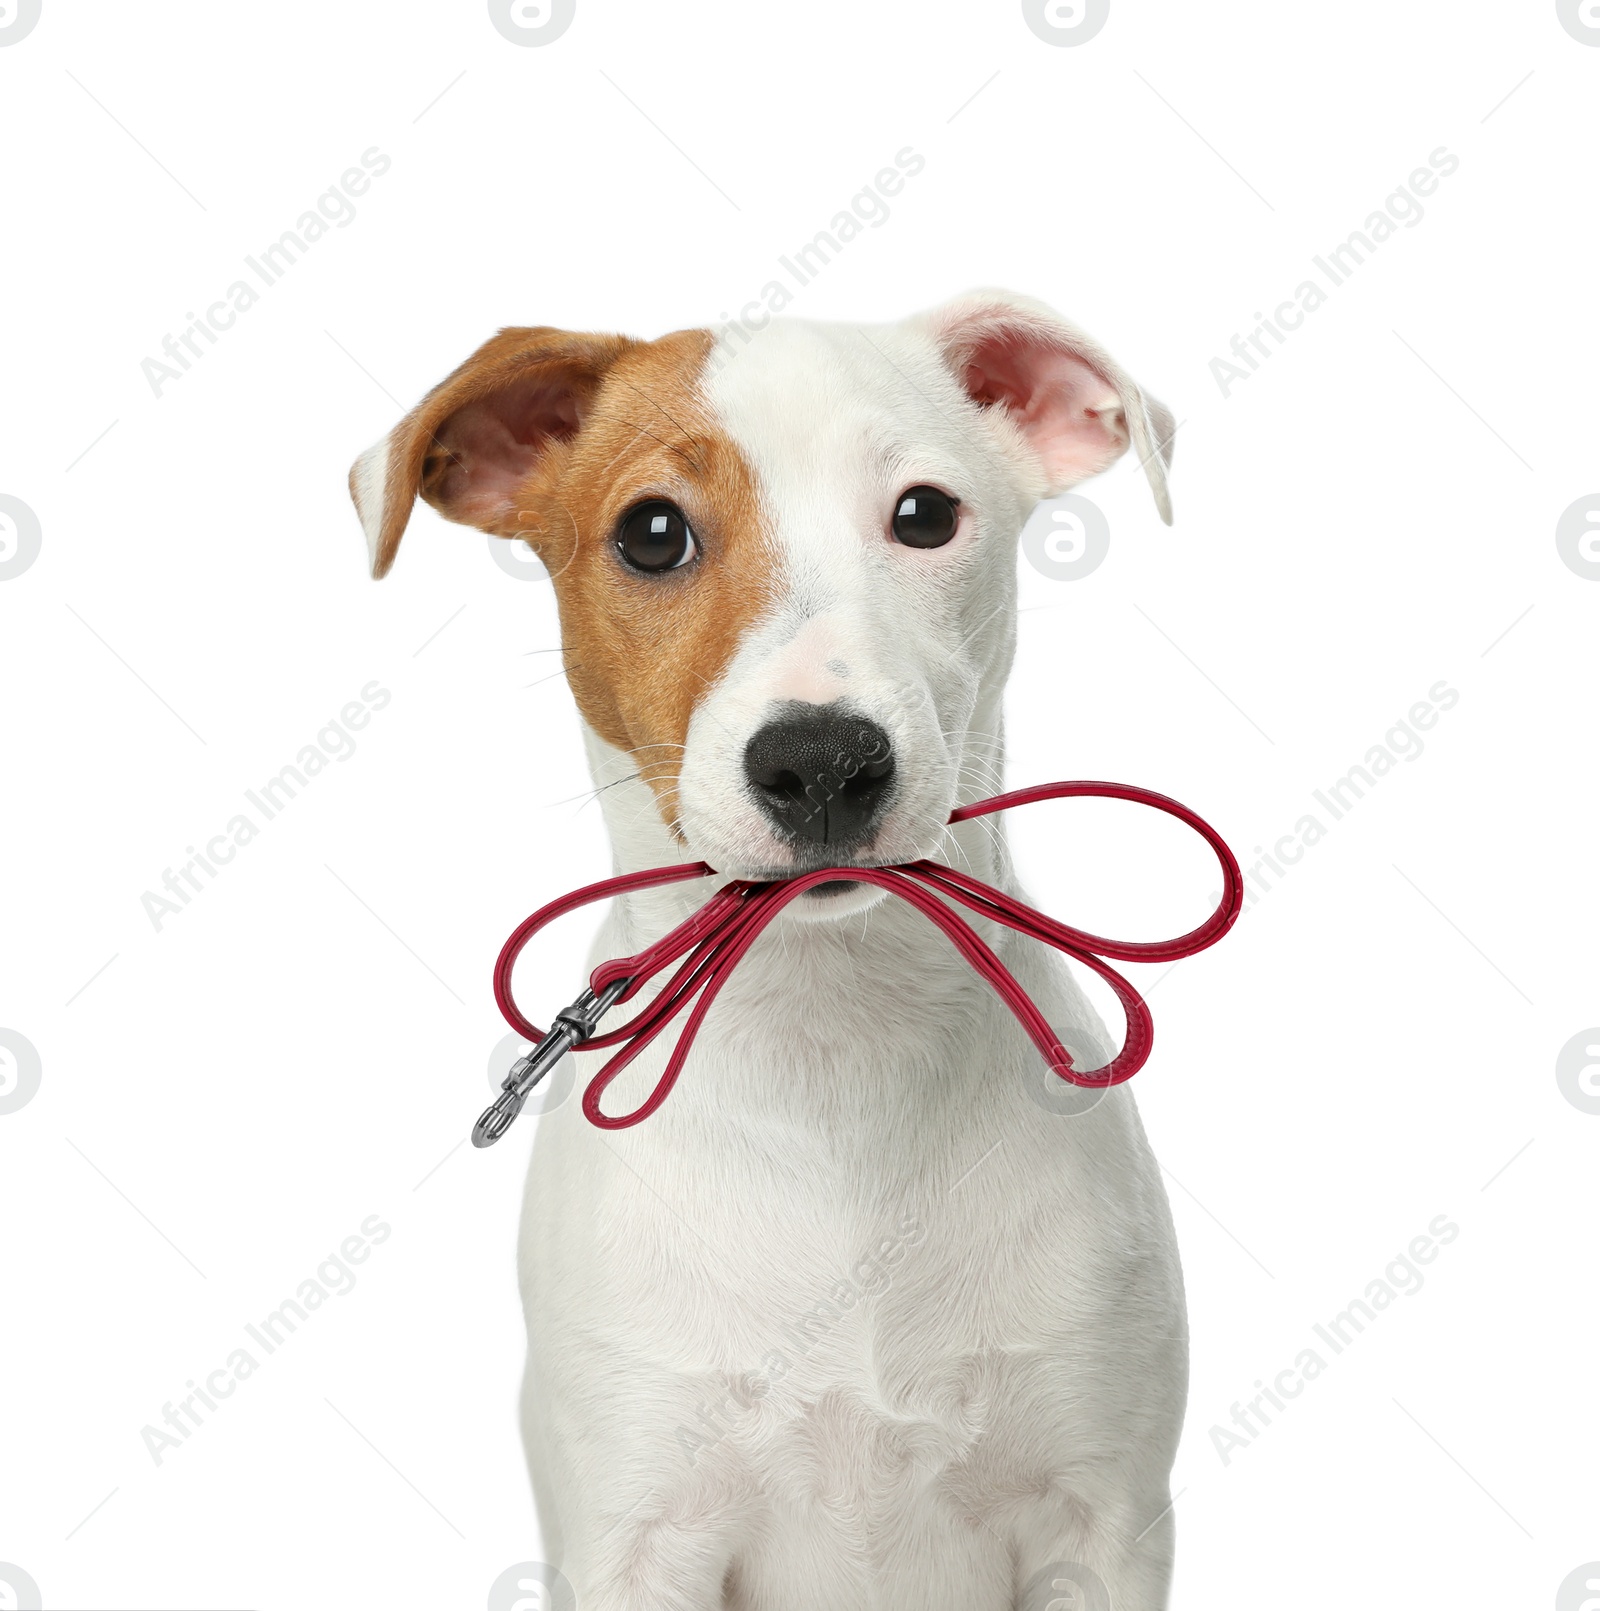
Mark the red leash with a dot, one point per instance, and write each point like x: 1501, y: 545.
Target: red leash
x: 709, y: 944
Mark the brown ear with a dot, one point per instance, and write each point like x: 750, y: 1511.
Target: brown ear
x: 1072, y: 402
x: 473, y: 441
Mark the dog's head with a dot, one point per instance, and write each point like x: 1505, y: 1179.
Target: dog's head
x: 784, y: 561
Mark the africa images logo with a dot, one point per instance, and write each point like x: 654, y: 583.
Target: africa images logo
x: 532, y: 22
x: 1403, y: 208
x: 18, y: 19
x: 335, y: 209
x: 335, y: 742
x: 1066, y: 22
x: 20, y: 535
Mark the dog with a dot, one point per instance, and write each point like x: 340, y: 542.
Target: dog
x: 876, y: 1312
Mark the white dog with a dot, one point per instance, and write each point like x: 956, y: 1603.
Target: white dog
x: 876, y: 1312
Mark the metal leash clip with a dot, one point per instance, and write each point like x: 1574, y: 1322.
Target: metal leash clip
x: 572, y: 1027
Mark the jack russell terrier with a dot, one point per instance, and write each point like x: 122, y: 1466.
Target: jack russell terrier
x: 861, y: 1319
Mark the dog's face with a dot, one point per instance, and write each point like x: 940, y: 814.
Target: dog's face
x: 785, y: 563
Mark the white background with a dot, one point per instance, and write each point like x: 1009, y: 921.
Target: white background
x: 225, y: 1100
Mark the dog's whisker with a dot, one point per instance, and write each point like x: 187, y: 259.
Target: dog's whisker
x: 551, y: 678
x: 661, y: 408
x: 590, y: 795
x: 671, y: 447
x: 980, y: 626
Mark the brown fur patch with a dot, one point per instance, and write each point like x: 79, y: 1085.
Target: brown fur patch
x: 640, y: 650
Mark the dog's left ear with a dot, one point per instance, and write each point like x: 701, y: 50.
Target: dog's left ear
x: 1076, y: 409
x: 476, y: 438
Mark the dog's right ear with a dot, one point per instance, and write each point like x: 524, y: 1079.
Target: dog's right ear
x: 470, y: 445
x: 1076, y: 409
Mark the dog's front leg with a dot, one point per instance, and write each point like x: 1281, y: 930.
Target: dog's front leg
x: 647, y: 1560
x: 642, y: 1505
x: 1104, y: 1558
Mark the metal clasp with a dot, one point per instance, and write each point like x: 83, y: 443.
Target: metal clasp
x: 572, y: 1027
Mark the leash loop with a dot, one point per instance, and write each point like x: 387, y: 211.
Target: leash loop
x: 709, y: 944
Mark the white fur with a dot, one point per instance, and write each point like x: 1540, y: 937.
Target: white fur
x: 1010, y: 1393
x: 369, y: 488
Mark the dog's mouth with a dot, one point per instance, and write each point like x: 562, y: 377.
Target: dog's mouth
x: 889, y: 850
x: 838, y: 894
x: 834, y: 886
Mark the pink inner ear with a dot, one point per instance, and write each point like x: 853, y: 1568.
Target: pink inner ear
x: 495, y: 443
x: 1069, y: 412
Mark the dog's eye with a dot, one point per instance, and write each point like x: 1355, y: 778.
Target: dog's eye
x: 656, y: 537
x: 924, y: 517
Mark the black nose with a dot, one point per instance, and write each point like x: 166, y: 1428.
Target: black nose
x: 821, y: 774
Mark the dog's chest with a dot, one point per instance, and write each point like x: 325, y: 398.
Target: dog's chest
x: 855, y: 1390
x: 860, y: 1347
